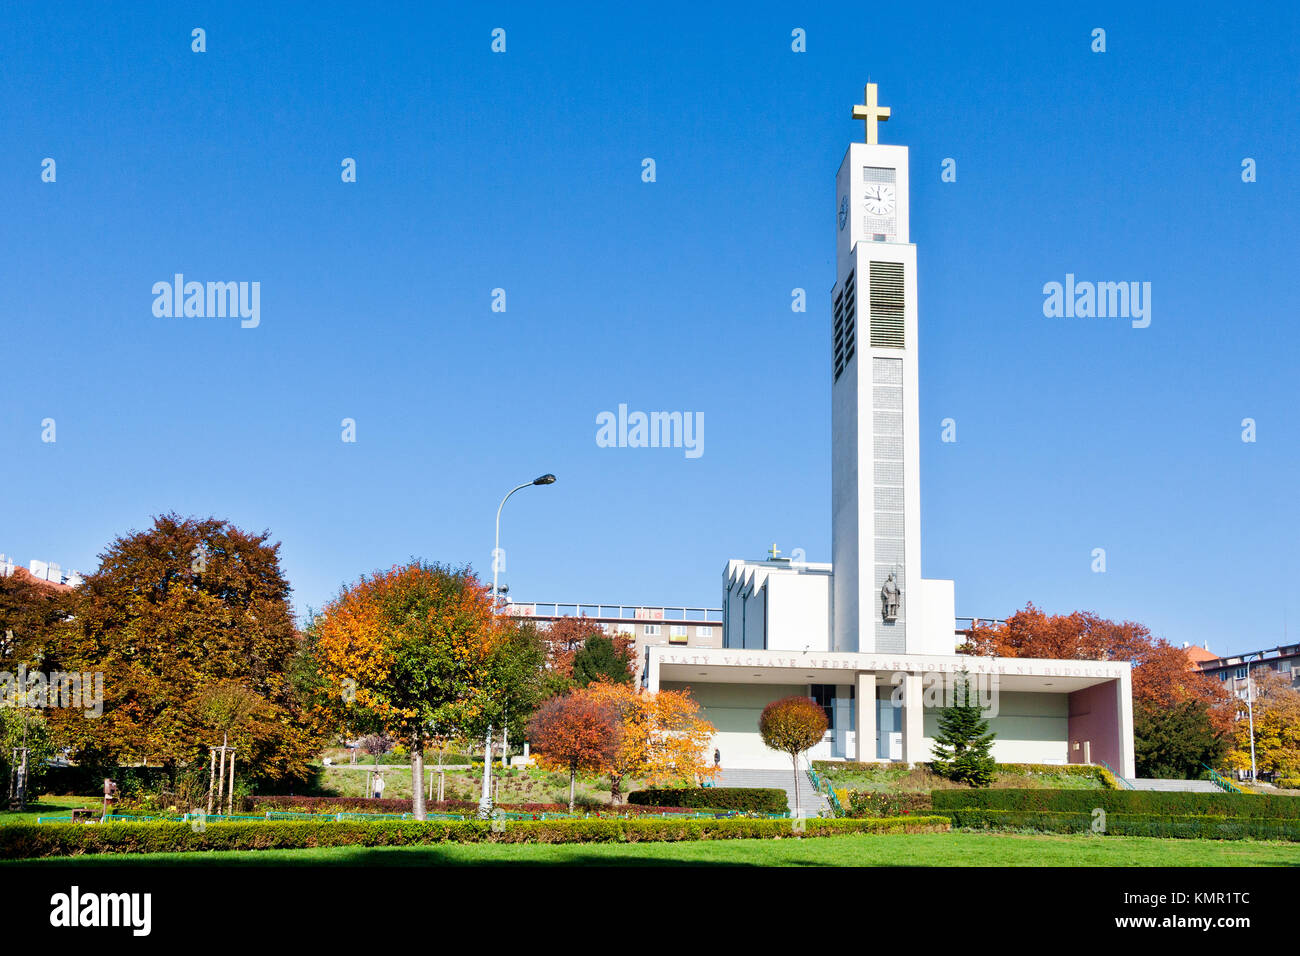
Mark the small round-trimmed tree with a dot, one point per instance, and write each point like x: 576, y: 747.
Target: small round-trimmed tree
x: 792, y: 725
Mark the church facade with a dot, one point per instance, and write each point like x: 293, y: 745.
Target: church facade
x: 866, y: 636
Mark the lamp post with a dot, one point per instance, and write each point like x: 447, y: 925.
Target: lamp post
x: 1250, y: 711
x: 485, y: 801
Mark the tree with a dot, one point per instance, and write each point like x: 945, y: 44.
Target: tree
x: 517, y: 678
x: 963, y: 741
x: 575, y: 733
x: 171, y: 611
x: 1277, y: 726
x: 566, y: 636
x: 22, y: 727
x: 662, y: 739
x: 1175, y: 741
x: 600, y: 659
x: 792, y: 725
x: 409, y: 650
x: 29, y: 610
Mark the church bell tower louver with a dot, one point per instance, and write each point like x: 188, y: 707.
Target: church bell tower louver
x: 875, y: 461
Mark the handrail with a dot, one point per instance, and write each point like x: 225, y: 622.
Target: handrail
x: 1226, y: 786
x: 1123, y: 781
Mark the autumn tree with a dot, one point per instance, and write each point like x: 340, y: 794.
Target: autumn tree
x: 663, y: 739
x: 171, y: 612
x: 1276, y: 708
x: 29, y: 610
x: 577, y: 734
x: 1163, y: 675
x: 408, y: 651
x: 792, y: 725
x: 566, y: 636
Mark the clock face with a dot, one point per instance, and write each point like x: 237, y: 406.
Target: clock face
x: 879, y: 199
x: 844, y: 211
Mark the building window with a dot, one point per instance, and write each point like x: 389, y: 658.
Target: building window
x: 677, y: 634
x: 1240, y: 674
x: 651, y: 630
x: 706, y: 631
x: 824, y: 695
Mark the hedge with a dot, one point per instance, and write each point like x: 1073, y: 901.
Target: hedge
x: 28, y: 841
x: 1199, y: 827
x: 1141, y: 802
x: 262, y: 804
x: 1287, y: 783
x: 759, y: 799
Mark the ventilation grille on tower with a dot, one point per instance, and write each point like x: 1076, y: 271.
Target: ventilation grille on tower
x: 886, y: 305
x: 843, y: 332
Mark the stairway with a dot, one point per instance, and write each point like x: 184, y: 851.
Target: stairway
x: 810, y: 801
x: 1174, y: 786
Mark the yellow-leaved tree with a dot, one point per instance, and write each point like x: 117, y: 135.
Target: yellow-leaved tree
x: 664, y: 739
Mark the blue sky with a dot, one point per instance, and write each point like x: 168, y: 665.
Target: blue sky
x: 522, y: 171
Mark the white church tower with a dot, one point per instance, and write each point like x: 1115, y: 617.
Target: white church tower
x: 879, y: 602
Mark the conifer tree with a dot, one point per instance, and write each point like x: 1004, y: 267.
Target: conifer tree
x: 962, y: 745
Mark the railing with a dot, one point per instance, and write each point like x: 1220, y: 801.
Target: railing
x: 348, y: 817
x: 825, y: 787
x: 616, y: 612
x: 1226, y: 786
x: 1122, y: 781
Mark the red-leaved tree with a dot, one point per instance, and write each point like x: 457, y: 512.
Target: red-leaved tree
x: 575, y: 733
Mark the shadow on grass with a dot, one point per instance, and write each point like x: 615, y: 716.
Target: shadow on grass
x: 366, y: 857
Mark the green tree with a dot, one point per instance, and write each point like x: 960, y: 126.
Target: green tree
x: 1174, y: 742
x: 23, y: 727
x: 410, y: 651
x: 963, y: 742
x: 599, y: 659
x: 517, y: 679
x: 792, y: 725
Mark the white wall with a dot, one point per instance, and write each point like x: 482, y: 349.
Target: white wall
x: 935, y: 631
x: 1031, y: 728
x: 734, y: 709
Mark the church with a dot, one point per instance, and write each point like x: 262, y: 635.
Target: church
x: 867, y: 636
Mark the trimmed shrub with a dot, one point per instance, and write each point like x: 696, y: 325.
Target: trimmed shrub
x: 1287, y: 783
x: 1140, y: 802
x: 29, y: 841
x: 1200, y: 827
x: 757, y: 799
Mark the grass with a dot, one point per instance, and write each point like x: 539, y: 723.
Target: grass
x: 922, y: 849
x: 49, y: 806
x: 901, y: 779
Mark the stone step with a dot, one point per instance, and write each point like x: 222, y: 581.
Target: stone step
x: 1174, y: 786
x: 810, y: 801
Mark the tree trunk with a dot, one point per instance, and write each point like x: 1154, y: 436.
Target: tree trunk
x: 615, y: 788
x: 796, y: 785
x: 573, y: 779
x: 417, y: 778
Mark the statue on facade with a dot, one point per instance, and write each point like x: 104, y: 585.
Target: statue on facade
x: 889, y: 595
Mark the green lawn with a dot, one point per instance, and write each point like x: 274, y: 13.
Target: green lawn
x: 922, y: 849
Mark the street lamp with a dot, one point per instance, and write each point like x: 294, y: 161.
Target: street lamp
x: 485, y: 801
x: 1250, y: 711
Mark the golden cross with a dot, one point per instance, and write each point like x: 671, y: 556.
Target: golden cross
x: 772, y: 554
x: 870, y: 112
